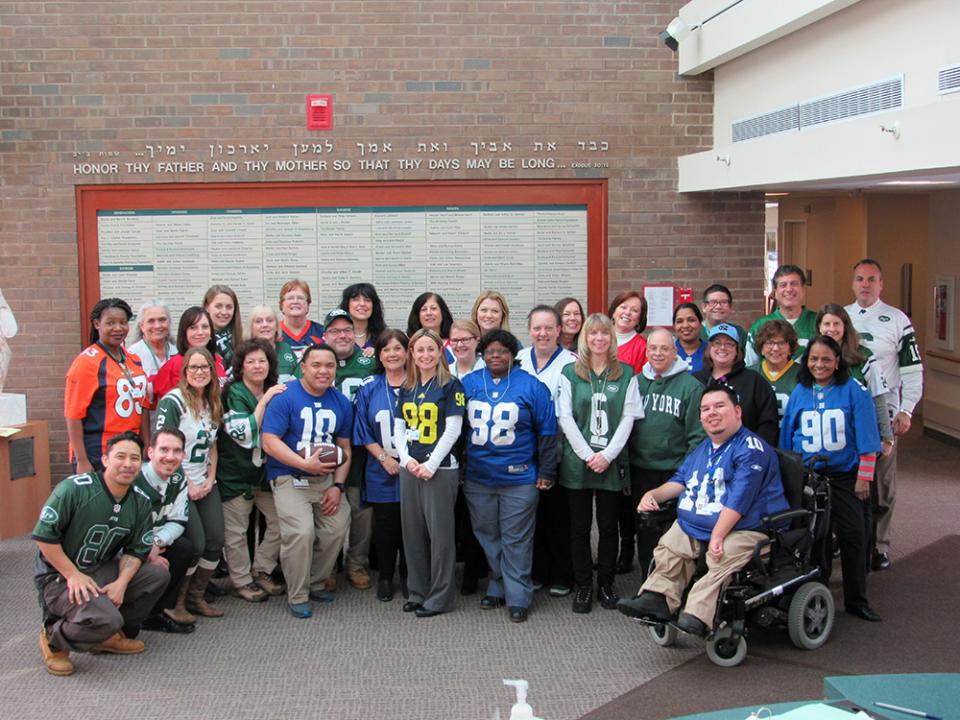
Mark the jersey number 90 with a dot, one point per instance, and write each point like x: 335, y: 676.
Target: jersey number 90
x: 823, y: 430
x: 495, y: 424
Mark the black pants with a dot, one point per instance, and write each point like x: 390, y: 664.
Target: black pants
x: 180, y: 556
x: 580, y: 503
x: 850, y: 518
x: 642, y: 480
x: 388, y: 538
x: 551, y: 539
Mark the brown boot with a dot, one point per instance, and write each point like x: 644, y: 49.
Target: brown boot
x: 119, y: 644
x: 56, y: 661
x: 179, y: 612
x: 196, y: 603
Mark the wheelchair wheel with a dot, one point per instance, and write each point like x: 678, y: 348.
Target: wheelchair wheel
x: 810, y: 617
x: 664, y: 635
x: 723, y: 651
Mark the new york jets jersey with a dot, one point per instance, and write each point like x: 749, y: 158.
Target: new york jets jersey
x: 889, y: 334
x: 597, y: 406
x: 352, y: 373
x: 200, y: 432
x: 805, y: 325
x: 91, y: 525
x: 507, y: 419
x: 240, y: 465
x: 300, y: 418
x: 288, y: 367
x: 224, y: 342
x: 168, y: 502
x: 839, y: 421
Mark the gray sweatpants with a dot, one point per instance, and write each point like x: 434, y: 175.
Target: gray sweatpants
x: 82, y: 627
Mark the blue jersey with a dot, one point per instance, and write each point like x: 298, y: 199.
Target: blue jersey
x: 424, y: 411
x: 506, y: 420
x: 299, y: 418
x: 743, y: 474
x: 839, y: 421
x: 695, y: 360
x: 375, y: 407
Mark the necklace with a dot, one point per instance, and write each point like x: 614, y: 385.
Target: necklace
x: 820, y: 393
x: 598, y: 422
x: 120, y: 362
x: 494, y: 396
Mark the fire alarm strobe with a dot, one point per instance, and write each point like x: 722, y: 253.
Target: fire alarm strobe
x: 319, y: 112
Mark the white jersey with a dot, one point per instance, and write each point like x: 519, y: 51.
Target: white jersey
x: 548, y: 374
x: 888, y: 333
x: 200, y: 433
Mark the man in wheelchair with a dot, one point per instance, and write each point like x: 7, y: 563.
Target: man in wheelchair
x: 728, y: 484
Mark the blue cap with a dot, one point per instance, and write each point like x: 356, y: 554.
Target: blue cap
x: 723, y: 329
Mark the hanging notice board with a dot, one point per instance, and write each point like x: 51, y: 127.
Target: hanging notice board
x: 533, y: 241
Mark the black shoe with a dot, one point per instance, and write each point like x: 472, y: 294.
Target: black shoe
x: 384, y: 589
x: 607, y: 597
x: 583, y: 599
x: 625, y: 561
x: 864, y: 612
x: 411, y: 606
x: 422, y: 612
x: 403, y: 587
x: 489, y: 602
x: 469, y: 586
x: 880, y: 560
x: 691, y: 624
x: 161, y: 622
x: 518, y: 614
x: 647, y: 605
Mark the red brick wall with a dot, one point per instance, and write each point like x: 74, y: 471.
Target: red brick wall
x: 79, y: 77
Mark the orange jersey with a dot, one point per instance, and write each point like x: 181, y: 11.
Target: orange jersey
x: 106, y: 395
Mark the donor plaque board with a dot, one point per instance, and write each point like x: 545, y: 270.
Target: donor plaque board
x: 534, y: 242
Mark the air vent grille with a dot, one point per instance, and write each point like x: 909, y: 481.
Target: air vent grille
x: 877, y: 97
x: 948, y: 80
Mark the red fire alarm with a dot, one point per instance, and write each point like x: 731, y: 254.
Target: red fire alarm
x: 685, y: 295
x: 319, y: 112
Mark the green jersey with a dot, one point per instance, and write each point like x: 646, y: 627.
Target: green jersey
x: 671, y: 427
x: 590, y: 413
x: 805, y: 325
x: 200, y: 432
x: 91, y: 525
x: 352, y: 373
x: 288, y: 367
x: 240, y: 461
x: 782, y: 382
x: 168, y: 502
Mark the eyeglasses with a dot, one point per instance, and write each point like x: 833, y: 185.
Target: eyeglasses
x: 294, y: 297
x: 717, y: 303
x: 722, y: 344
x: 773, y: 344
x: 198, y: 368
x: 340, y: 331
x: 463, y: 341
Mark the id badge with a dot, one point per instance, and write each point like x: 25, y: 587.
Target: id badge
x: 413, y: 435
x: 300, y: 482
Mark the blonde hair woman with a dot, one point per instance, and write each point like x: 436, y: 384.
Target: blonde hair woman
x: 597, y: 406
x: 491, y: 312
x: 265, y: 325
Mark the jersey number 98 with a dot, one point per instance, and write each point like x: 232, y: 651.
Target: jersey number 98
x: 495, y: 424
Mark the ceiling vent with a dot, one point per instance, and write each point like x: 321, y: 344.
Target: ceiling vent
x: 948, y: 80
x: 857, y: 102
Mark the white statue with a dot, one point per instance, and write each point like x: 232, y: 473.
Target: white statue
x: 8, y: 328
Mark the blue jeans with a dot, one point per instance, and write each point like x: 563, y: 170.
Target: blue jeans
x: 504, y: 519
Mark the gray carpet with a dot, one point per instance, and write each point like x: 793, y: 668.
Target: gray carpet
x: 360, y: 658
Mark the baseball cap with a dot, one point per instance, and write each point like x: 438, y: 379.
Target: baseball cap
x: 723, y: 329
x: 337, y: 314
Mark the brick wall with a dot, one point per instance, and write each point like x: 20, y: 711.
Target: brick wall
x: 81, y: 77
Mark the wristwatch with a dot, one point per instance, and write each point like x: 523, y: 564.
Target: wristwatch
x: 382, y: 456
x: 342, y: 487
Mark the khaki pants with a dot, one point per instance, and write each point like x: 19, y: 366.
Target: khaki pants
x: 361, y: 532
x: 676, y: 560
x: 309, y: 540
x: 886, y: 497
x: 236, y: 520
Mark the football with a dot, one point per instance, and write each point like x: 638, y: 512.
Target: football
x: 329, y: 452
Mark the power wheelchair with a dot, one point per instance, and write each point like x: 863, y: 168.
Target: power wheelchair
x: 780, y: 585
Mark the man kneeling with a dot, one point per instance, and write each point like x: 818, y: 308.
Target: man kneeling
x: 94, y: 534
x: 728, y: 484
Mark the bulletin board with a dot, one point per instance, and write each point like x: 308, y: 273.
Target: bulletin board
x: 533, y: 241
